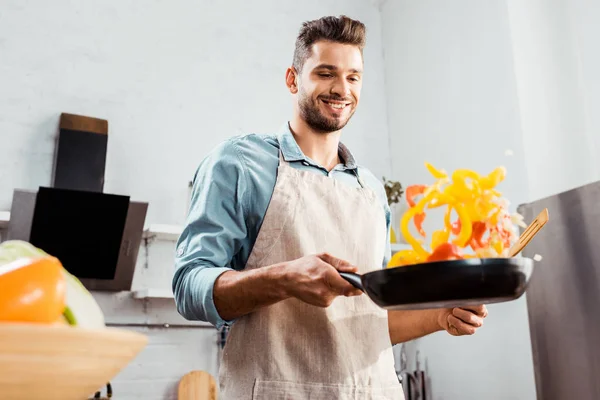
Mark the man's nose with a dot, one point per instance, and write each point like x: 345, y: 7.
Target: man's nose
x: 341, y: 87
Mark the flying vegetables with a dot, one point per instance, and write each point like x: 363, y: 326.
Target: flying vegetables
x: 483, y: 226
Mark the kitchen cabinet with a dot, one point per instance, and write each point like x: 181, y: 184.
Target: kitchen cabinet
x: 564, y: 294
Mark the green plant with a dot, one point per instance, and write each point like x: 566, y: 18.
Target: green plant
x: 393, y: 191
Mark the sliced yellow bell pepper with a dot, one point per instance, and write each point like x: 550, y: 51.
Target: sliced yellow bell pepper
x: 436, y: 173
x: 404, y: 257
x: 439, y: 237
x: 408, y: 215
x: 478, y: 204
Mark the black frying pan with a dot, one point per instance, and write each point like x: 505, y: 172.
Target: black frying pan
x: 446, y: 284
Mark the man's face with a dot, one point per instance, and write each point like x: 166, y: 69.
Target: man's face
x: 329, y: 86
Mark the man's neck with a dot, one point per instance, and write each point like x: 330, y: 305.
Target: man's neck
x: 320, y: 147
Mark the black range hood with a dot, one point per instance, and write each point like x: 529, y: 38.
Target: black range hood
x: 95, y: 235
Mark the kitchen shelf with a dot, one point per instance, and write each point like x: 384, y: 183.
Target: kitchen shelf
x: 153, y: 294
x: 170, y: 233
x: 173, y: 232
x: 158, y: 231
x: 163, y: 232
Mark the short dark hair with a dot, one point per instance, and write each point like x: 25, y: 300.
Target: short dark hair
x: 340, y: 29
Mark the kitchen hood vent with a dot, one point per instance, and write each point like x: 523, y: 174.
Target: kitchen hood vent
x: 95, y: 235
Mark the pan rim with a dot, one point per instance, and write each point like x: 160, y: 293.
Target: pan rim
x: 376, y: 281
x: 469, y: 262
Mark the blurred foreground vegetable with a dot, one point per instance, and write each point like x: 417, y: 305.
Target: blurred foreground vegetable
x: 32, y: 290
x: 35, y: 287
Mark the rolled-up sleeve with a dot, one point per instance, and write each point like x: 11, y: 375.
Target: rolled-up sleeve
x: 213, y: 233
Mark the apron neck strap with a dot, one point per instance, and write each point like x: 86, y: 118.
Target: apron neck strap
x: 358, y: 178
x: 281, y: 159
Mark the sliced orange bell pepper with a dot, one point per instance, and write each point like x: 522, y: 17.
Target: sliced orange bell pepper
x: 32, y: 290
x: 477, y: 242
x: 445, y: 252
x: 412, y: 192
x: 483, y: 222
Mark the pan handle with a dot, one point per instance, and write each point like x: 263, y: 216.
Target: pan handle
x: 353, y: 279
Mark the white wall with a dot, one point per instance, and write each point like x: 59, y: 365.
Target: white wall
x: 451, y: 88
x: 554, y: 64
x: 173, y: 78
x: 557, y: 59
x: 585, y: 22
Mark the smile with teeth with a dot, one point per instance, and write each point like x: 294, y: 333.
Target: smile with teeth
x: 336, y: 104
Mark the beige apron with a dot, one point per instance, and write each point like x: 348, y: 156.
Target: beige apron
x: 295, y: 351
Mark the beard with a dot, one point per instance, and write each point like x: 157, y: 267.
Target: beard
x: 314, y: 117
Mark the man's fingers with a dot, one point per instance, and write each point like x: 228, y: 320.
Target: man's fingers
x: 480, y: 310
x: 347, y: 268
x: 466, y: 320
x: 460, y: 328
x: 337, y: 283
x: 337, y: 263
x: 468, y: 317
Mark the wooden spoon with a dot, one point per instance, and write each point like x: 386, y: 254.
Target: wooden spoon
x: 197, y: 385
x: 529, y: 233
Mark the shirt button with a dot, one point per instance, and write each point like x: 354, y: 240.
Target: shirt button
x: 179, y: 252
x: 305, y: 163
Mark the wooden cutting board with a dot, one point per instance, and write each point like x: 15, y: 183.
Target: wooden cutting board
x: 197, y: 385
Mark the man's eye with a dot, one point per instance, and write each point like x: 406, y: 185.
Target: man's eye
x: 354, y: 79
x: 326, y: 75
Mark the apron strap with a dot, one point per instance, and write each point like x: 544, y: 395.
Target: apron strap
x: 358, y: 178
x: 281, y: 159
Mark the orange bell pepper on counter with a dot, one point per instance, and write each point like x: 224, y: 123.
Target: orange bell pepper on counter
x: 32, y: 290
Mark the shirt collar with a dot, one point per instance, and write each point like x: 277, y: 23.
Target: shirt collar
x: 292, y: 152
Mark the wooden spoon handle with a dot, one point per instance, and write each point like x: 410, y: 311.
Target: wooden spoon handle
x: 532, y: 230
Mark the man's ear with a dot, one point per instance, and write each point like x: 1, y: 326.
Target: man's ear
x: 291, y: 80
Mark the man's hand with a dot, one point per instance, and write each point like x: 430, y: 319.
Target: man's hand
x: 315, y: 279
x: 462, y: 321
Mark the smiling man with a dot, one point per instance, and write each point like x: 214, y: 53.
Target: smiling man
x: 273, y: 219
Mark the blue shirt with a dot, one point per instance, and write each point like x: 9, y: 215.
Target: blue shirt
x: 231, y: 191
